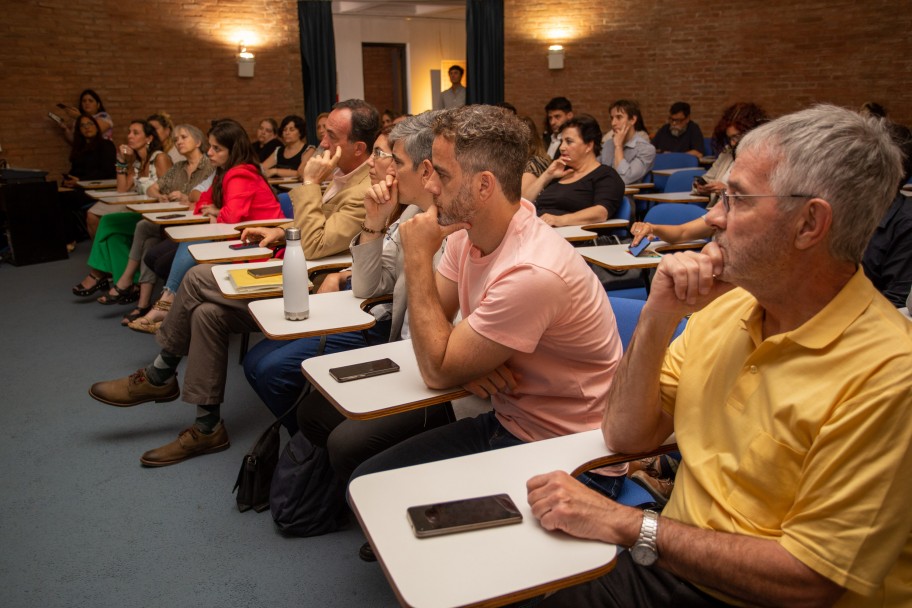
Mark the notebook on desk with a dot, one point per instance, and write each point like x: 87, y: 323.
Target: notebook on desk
x: 243, y: 282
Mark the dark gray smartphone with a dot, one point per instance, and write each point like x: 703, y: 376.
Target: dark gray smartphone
x: 463, y: 515
x: 347, y: 373
x: 237, y: 246
x: 265, y: 271
x: 699, y: 181
x: 170, y: 216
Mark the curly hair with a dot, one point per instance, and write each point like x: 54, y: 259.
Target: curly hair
x: 743, y: 116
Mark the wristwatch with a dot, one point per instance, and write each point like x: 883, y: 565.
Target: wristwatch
x: 644, y: 552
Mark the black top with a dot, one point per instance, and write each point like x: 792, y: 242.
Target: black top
x: 289, y: 163
x: 264, y: 151
x: 602, y: 186
x: 887, y: 260
x: 97, y: 163
x: 690, y: 139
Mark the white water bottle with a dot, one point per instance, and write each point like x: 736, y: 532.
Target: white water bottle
x: 294, y: 278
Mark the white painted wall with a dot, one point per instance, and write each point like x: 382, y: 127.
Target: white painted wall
x: 429, y: 41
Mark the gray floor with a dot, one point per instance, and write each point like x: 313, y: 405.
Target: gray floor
x: 83, y: 524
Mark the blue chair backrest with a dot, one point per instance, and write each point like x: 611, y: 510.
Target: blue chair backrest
x: 285, y: 204
x: 624, y: 210
x: 708, y: 146
x: 673, y: 213
x: 682, y: 180
x: 675, y: 160
x: 627, y: 313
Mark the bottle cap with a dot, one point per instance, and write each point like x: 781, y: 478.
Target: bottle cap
x: 292, y: 234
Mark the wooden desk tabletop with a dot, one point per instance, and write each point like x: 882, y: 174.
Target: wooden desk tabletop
x: 488, y: 567
x: 253, y: 223
x: 154, y: 207
x: 220, y: 273
x: 330, y: 313
x: 98, y: 183
x: 220, y: 251
x: 575, y: 234
x: 617, y: 257
x: 293, y: 180
x: 202, y: 231
x: 907, y: 192
x: 185, y: 218
x: 120, y: 199
x: 97, y: 194
x: 380, y: 395
x: 667, y: 172
x: 671, y: 197
x: 642, y: 185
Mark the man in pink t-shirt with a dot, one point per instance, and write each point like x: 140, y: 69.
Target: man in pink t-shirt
x: 537, y: 334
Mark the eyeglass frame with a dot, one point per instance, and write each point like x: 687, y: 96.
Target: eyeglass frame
x: 725, y: 196
x: 379, y: 154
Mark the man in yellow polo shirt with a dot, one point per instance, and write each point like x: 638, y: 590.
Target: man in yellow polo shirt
x: 790, y: 393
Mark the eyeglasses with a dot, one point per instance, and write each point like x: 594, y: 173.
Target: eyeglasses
x: 727, y: 198
x: 676, y: 121
x: 381, y: 155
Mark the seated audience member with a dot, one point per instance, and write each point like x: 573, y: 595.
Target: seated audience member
x: 91, y: 158
x: 577, y: 189
x: 177, y: 184
x: 680, y: 133
x: 201, y: 319
x: 887, y: 259
x: 164, y: 127
x: 293, y: 153
x: 628, y: 149
x: 267, y: 140
x: 387, y: 118
x: 788, y: 394
x: 455, y: 96
x: 143, y: 154
x: 89, y: 103
x: 239, y: 193
x: 539, y: 160
x: 545, y: 362
x: 557, y: 111
x: 737, y: 120
x: 273, y: 367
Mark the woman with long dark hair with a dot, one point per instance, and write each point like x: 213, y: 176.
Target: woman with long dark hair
x: 239, y: 193
x: 294, y: 152
x: 89, y: 103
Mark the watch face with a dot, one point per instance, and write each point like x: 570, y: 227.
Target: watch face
x: 643, y: 554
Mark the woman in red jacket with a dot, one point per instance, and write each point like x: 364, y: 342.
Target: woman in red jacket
x: 239, y: 193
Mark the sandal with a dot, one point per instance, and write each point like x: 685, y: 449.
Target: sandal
x: 82, y: 291
x: 145, y: 327
x: 136, y: 313
x: 124, y: 296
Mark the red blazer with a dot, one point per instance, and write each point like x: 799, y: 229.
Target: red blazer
x: 246, y: 196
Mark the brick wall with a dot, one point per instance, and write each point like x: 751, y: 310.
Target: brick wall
x: 779, y: 53
x: 141, y: 57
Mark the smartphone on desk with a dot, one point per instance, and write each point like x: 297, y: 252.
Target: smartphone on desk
x: 636, y: 250
x: 171, y: 216
x: 239, y: 246
x: 347, y: 373
x: 265, y: 271
x: 463, y: 515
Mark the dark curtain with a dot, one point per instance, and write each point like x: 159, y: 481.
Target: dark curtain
x: 484, y: 51
x: 318, y: 60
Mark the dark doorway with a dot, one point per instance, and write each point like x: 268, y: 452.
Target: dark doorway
x: 385, y: 83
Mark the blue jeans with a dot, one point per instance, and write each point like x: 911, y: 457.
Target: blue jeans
x: 461, y: 438
x: 183, y: 262
x: 273, y: 367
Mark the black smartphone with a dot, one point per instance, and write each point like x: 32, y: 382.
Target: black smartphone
x: 238, y: 246
x: 636, y: 250
x: 170, y: 216
x: 699, y: 181
x: 463, y: 515
x: 63, y: 106
x: 346, y: 373
x: 265, y: 271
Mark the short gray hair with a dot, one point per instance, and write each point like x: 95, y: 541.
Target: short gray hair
x: 417, y: 135
x: 840, y: 156
x: 195, y: 134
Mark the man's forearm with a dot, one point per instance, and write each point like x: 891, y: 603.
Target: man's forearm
x: 430, y: 329
x: 633, y: 419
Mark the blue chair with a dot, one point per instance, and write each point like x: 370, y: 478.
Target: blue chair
x: 627, y: 313
x: 682, y: 181
x: 285, y: 204
x: 708, y: 146
x: 671, y: 160
x: 674, y: 213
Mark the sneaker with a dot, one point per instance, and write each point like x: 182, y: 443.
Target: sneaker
x: 659, y: 489
x: 191, y: 442
x: 133, y: 390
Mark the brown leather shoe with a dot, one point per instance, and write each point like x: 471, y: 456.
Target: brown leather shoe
x: 659, y: 489
x: 133, y: 390
x: 191, y: 442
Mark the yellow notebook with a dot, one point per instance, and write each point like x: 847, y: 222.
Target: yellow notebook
x: 244, y: 283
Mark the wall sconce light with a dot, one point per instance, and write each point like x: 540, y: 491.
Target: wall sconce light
x: 246, y: 61
x: 555, y: 57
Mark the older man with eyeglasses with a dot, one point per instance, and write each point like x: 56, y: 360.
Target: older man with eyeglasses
x: 788, y: 392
